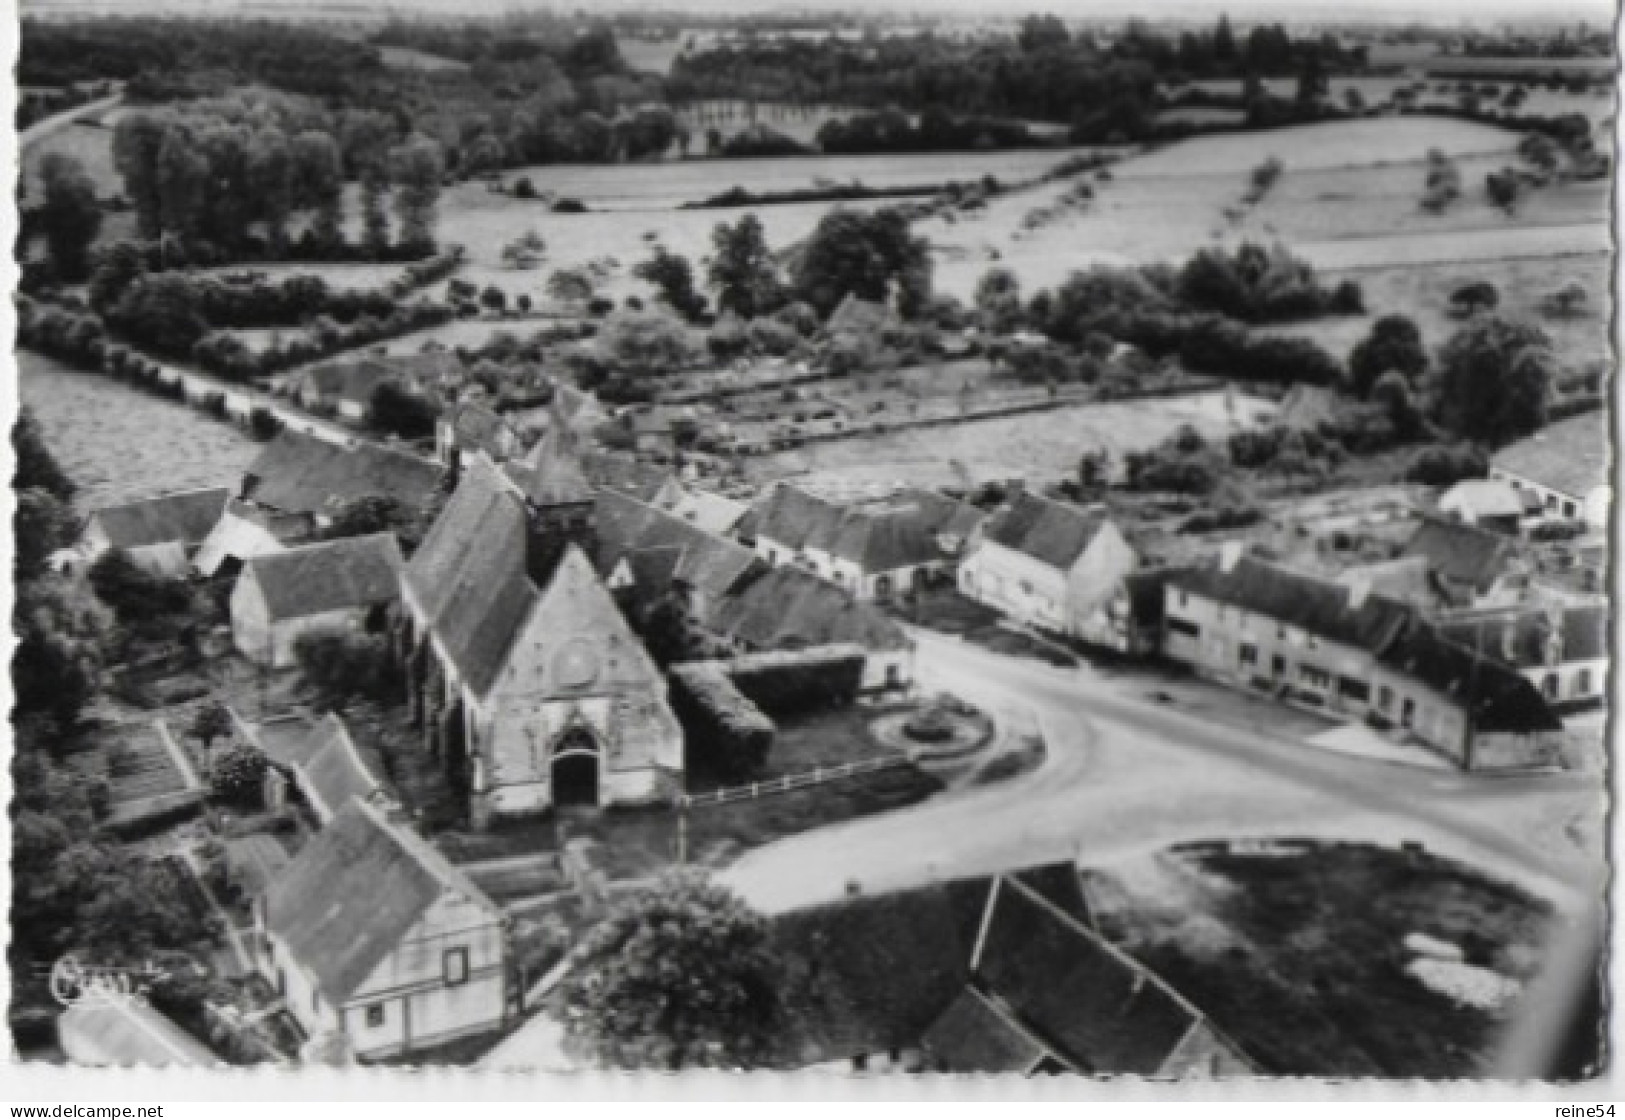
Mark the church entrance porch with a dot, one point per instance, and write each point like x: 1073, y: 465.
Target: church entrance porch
x: 574, y: 770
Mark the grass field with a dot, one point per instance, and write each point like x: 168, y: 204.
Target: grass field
x: 654, y: 57
x: 1040, y: 446
x: 1423, y: 293
x: 1299, y: 954
x: 90, y: 144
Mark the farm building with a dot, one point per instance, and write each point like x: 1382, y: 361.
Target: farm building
x: 470, y: 427
x: 345, y: 388
x: 245, y: 531
x: 159, y: 535
x: 993, y: 975
x: 114, y: 1029
x: 1469, y: 566
x: 370, y: 936
x: 859, y: 317
x: 1049, y: 565
x: 335, y: 587
x: 1564, y: 466
x: 1562, y: 650
x: 624, y: 474
x: 1485, y: 503
x: 876, y: 550
x: 532, y: 688
x: 709, y: 511
x: 318, y: 759
x: 729, y: 600
x: 1344, y: 651
x: 300, y: 474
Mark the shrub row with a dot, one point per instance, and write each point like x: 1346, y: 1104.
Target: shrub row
x: 727, y: 734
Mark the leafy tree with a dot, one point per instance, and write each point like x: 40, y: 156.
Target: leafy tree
x: 137, y: 139
x: 237, y: 774
x: 1042, y: 32
x: 317, y: 181
x: 998, y: 301
x: 270, y: 167
x: 114, y: 269
x: 1395, y: 393
x: 494, y: 299
x: 69, y: 214
x: 1442, y: 185
x: 1394, y: 343
x: 1503, y: 188
x: 570, y: 286
x: 62, y: 641
x: 210, y: 722
x: 645, y: 343
x: 342, y: 668
x: 1566, y: 301
x: 43, y: 524
x: 673, y: 276
x: 741, y: 271
x: 36, y: 467
x: 139, y: 599
x: 1470, y: 299
x: 867, y: 255
x: 161, y: 312
x: 417, y: 169
x: 680, y: 976
x: 1493, y: 380
x: 1540, y: 152
x: 401, y: 411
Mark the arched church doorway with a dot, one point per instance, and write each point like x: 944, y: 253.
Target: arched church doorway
x: 575, y: 769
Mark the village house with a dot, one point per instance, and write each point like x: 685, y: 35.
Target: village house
x: 532, y: 688
x: 1565, y: 467
x: 876, y: 550
x: 371, y: 937
x: 335, y: 587
x: 1000, y: 975
x: 345, y: 388
x: 472, y: 427
x: 1487, y: 504
x: 1343, y: 651
x: 626, y: 474
x: 728, y: 599
x: 245, y: 531
x: 319, y: 761
x: 297, y: 474
x: 1049, y: 565
x: 1561, y: 649
x: 1469, y: 566
x: 159, y: 535
x: 708, y: 511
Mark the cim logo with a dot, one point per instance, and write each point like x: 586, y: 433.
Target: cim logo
x: 76, y: 984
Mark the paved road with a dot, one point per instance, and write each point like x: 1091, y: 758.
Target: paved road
x: 1124, y: 776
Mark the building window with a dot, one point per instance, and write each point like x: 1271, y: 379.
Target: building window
x: 1248, y: 655
x: 1353, y: 689
x: 1582, y: 683
x: 1385, y: 698
x: 455, y: 965
x: 1314, y: 676
x: 1313, y: 642
x: 1277, y: 665
x: 1280, y: 633
x: 375, y: 1015
x: 1568, y: 509
x: 1183, y: 599
x: 1407, y: 712
x: 1548, y: 686
x: 1185, y: 627
x: 315, y: 1000
x: 1026, y: 587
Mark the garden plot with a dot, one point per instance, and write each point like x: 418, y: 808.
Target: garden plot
x: 1039, y: 446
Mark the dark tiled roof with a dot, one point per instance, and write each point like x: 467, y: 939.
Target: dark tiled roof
x: 859, y: 315
x: 303, y: 474
x: 352, y: 572
x: 977, y: 1035
x: 469, y: 577
x: 353, y: 380
x: 185, y: 518
x: 551, y: 474
x: 1049, y: 532
x: 1461, y: 553
x: 1320, y: 606
x: 344, y: 903
x: 608, y: 470
x: 655, y: 542
x: 1571, y: 457
x: 476, y: 427
x: 899, y: 532
x: 789, y: 608
x: 1495, y: 696
x: 1096, y: 1008
x: 339, y: 769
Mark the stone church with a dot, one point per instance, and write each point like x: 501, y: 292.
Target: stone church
x: 530, y: 686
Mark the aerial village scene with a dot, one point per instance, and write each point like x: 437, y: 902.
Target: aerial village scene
x: 765, y: 539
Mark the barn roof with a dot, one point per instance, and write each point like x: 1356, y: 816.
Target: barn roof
x: 1571, y: 457
x: 338, y: 769
x: 121, y: 1030
x: 1461, y: 553
x: 901, y: 531
x: 351, y: 379
x: 344, y: 903
x: 1519, y: 636
x: 186, y: 518
x: 1050, y: 532
x: 658, y: 544
x: 352, y: 572
x: 789, y: 608
x: 303, y: 474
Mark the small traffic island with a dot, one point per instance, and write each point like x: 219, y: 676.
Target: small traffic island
x: 941, y: 729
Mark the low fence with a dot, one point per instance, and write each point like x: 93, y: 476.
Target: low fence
x: 790, y: 782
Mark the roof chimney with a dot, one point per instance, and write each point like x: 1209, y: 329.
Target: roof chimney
x: 1359, y: 585
x: 1230, y: 554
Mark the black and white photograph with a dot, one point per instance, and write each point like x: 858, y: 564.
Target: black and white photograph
x: 1068, y: 543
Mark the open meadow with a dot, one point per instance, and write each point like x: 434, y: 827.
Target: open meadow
x: 1039, y: 446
